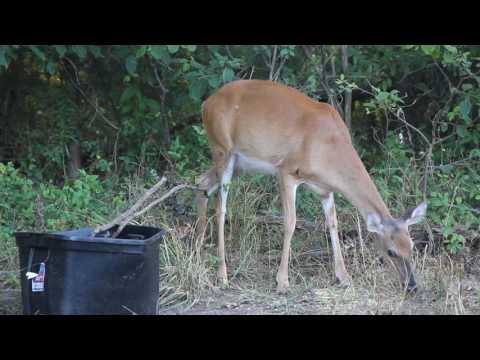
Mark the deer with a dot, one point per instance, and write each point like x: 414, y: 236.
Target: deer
x: 271, y: 128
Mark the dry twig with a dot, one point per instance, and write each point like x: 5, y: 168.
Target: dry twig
x: 123, y: 219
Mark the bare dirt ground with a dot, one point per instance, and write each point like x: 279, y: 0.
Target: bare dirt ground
x: 10, y: 302
x: 448, y: 286
x: 334, y: 300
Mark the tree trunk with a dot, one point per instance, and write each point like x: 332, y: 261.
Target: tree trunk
x: 166, y: 130
x: 75, y: 159
x: 348, y: 93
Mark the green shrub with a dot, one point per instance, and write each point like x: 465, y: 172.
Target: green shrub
x: 84, y: 202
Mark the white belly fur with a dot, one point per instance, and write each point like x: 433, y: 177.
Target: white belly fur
x: 249, y: 164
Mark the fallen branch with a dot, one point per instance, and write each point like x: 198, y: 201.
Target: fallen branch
x: 278, y: 220
x: 123, y: 219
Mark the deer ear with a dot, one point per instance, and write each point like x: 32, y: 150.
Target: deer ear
x: 415, y: 215
x: 374, y: 224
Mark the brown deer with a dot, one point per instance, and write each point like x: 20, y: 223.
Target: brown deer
x: 263, y: 126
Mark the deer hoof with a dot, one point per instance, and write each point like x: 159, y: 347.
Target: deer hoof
x: 282, y: 288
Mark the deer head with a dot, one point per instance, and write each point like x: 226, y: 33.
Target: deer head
x: 395, y: 240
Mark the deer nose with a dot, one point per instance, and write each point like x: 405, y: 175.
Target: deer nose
x: 412, y: 284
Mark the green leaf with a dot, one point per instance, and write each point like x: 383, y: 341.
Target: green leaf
x: 451, y: 48
x: 192, y: 76
x: 38, y: 53
x: 141, y: 51
x: 214, y: 48
x: 80, y: 50
x: 190, y: 48
x: 128, y: 94
x: 153, y: 105
x: 131, y: 64
x: 95, y: 51
x: 173, y: 48
x: 159, y: 52
x: 447, y: 231
x: 382, y: 96
x: 428, y: 49
x: 214, y: 81
x: 3, y: 58
x: 60, y: 49
x: 228, y: 75
x: 462, y: 131
x: 465, y: 108
x: 198, y: 89
x: 475, y: 153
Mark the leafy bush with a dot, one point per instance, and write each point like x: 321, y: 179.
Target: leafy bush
x: 84, y: 202
x: 190, y: 151
x: 17, y: 208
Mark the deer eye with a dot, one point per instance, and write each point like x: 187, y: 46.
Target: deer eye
x: 392, y: 253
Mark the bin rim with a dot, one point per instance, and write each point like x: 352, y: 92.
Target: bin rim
x: 85, y: 235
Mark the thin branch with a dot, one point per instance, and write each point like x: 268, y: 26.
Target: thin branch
x: 348, y: 93
x: 400, y: 115
x: 157, y: 77
x: 450, y: 85
x: 123, y: 219
x: 167, y: 195
x: 272, y: 62
x: 277, y: 74
x: 301, y: 224
x: 119, y: 219
x: 227, y: 47
x: 151, y: 205
x: 79, y: 89
x: 251, y: 74
x: 404, y: 77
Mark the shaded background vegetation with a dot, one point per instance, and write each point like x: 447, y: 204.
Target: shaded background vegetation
x: 79, y: 122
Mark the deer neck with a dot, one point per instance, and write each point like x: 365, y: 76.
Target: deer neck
x: 366, y: 198
x: 357, y: 186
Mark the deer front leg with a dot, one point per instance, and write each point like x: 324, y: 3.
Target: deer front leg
x: 331, y: 218
x: 288, y: 189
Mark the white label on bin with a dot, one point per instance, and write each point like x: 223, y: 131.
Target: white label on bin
x: 31, y: 275
x: 39, y: 280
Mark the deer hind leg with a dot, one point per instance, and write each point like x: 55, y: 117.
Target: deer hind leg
x: 328, y: 204
x: 207, y: 183
x: 224, y: 173
x: 288, y: 189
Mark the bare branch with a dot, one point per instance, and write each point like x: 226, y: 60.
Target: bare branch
x: 157, y: 77
x: 348, y: 93
x: 450, y: 85
x: 277, y: 74
x: 251, y: 74
x: 79, y: 89
x: 119, y: 219
x: 151, y: 205
x: 272, y: 62
x: 123, y: 219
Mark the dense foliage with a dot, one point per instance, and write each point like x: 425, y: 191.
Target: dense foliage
x: 74, y: 118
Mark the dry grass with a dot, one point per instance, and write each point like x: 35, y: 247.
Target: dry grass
x: 253, y: 253
x: 445, y: 289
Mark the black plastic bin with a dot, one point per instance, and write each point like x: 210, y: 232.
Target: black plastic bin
x: 85, y: 275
